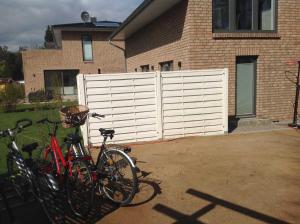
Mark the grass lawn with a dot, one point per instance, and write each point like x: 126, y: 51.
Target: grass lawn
x: 35, y: 133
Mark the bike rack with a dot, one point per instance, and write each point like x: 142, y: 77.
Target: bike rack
x: 295, y: 124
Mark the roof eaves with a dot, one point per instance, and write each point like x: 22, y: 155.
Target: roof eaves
x: 133, y: 15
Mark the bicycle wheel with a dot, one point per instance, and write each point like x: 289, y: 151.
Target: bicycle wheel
x: 118, y: 179
x: 80, y: 187
x: 16, y: 171
x: 51, y: 198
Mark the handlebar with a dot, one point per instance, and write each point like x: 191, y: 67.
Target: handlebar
x: 3, y: 133
x: 95, y: 115
x: 24, y: 123
x: 20, y: 124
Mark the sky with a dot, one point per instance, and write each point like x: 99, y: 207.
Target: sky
x: 23, y: 22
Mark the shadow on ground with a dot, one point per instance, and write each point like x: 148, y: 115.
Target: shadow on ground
x: 182, y: 218
x: 32, y: 212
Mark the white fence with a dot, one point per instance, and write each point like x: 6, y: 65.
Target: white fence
x: 155, y: 105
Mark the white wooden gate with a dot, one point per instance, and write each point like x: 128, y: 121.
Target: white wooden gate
x: 194, y: 103
x: 155, y: 105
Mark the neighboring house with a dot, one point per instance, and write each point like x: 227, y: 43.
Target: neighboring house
x: 80, y: 48
x: 252, y: 38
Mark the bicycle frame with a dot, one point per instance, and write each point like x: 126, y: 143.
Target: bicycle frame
x: 57, y: 153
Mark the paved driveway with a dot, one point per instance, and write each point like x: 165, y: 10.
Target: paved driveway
x: 242, y: 178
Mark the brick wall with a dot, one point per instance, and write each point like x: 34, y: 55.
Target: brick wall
x: 199, y: 48
x: 275, y: 93
x: 105, y: 57
x: 164, y: 39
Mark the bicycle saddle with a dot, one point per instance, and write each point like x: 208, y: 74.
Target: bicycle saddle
x: 72, y: 138
x: 106, y: 131
x: 30, y: 147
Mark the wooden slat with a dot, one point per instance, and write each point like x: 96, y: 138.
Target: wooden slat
x: 190, y: 103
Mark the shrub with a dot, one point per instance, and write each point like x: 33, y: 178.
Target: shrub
x: 39, y: 96
x: 11, y: 95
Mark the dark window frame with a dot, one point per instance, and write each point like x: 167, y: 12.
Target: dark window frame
x: 171, y: 62
x: 82, y: 46
x: 255, y: 16
x: 61, y: 74
x: 145, y: 66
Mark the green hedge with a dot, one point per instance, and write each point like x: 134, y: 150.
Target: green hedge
x: 13, y: 93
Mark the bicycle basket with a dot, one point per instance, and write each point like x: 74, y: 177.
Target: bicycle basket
x: 73, y: 115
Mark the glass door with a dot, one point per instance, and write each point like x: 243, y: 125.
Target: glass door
x: 246, y: 86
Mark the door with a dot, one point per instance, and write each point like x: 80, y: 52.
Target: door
x: 61, y: 82
x: 246, y: 86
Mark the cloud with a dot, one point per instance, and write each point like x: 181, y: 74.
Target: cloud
x: 23, y: 22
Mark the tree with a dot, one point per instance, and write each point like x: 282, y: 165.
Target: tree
x: 4, y: 70
x: 48, y: 38
x: 3, y: 53
x: 10, y: 64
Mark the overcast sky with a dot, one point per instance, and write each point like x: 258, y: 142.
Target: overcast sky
x: 23, y: 22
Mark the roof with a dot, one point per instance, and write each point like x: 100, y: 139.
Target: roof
x: 97, y: 25
x: 145, y: 13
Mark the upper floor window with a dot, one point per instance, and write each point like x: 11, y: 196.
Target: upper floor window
x: 166, y: 66
x: 221, y: 14
x: 87, y: 49
x: 244, y: 15
x: 266, y: 15
x: 145, y: 68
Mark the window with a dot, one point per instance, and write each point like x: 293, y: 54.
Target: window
x: 221, y: 14
x: 87, y: 49
x: 244, y: 15
x: 166, y: 66
x: 145, y: 68
x: 266, y: 15
x: 61, y: 81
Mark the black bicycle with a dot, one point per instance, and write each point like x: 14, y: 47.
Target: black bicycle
x: 29, y: 175
x: 5, y: 201
x: 114, y: 171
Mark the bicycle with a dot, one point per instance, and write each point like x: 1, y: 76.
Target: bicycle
x: 116, y: 184
x: 6, y: 204
x: 77, y: 179
x: 25, y: 175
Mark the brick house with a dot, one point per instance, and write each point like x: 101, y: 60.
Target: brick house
x: 253, y: 38
x: 79, y: 48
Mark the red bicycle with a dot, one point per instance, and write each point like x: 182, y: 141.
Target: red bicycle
x: 73, y: 172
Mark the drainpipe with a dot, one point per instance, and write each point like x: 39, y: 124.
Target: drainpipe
x: 122, y: 49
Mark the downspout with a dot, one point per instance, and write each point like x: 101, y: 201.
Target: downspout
x: 122, y: 49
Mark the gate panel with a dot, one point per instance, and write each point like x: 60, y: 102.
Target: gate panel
x: 193, y: 103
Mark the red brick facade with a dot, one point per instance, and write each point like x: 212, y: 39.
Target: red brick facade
x: 106, y: 57
x: 184, y: 34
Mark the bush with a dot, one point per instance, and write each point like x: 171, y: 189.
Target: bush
x: 11, y: 95
x: 39, y: 96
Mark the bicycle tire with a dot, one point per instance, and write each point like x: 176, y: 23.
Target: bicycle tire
x: 51, y: 200
x: 16, y: 175
x: 111, y: 176
x: 80, y: 187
